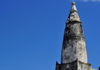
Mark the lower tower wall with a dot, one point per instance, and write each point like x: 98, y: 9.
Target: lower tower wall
x: 75, y: 65
x: 84, y: 66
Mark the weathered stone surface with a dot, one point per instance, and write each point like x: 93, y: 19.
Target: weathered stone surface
x: 73, y: 44
x: 72, y: 50
x: 83, y: 66
x: 67, y: 66
x: 73, y: 16
x: 74, y: 54
x: 75, y: 65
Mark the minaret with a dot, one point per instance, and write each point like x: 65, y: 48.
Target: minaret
x: 74, y: 54
x: 73, y: 43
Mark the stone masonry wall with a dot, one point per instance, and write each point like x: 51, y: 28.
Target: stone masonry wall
x: 73, y: 44
x: 84, y: 66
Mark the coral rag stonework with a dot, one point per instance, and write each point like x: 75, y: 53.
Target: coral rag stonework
x: 74, y: 54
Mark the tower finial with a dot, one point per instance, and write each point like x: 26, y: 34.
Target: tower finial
x: 73, y: 16
x: 73, y: 6
x: 73, y: 3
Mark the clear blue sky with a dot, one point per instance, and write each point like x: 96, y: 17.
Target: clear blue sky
x: 31, y: 32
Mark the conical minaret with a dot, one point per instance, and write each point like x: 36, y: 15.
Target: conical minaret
x: 73, y: 43
x: 74, y: 54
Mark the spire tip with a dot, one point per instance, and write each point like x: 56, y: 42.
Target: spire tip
x: 73, y: 3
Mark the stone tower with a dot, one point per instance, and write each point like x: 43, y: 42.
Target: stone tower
x: 74, y: 54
